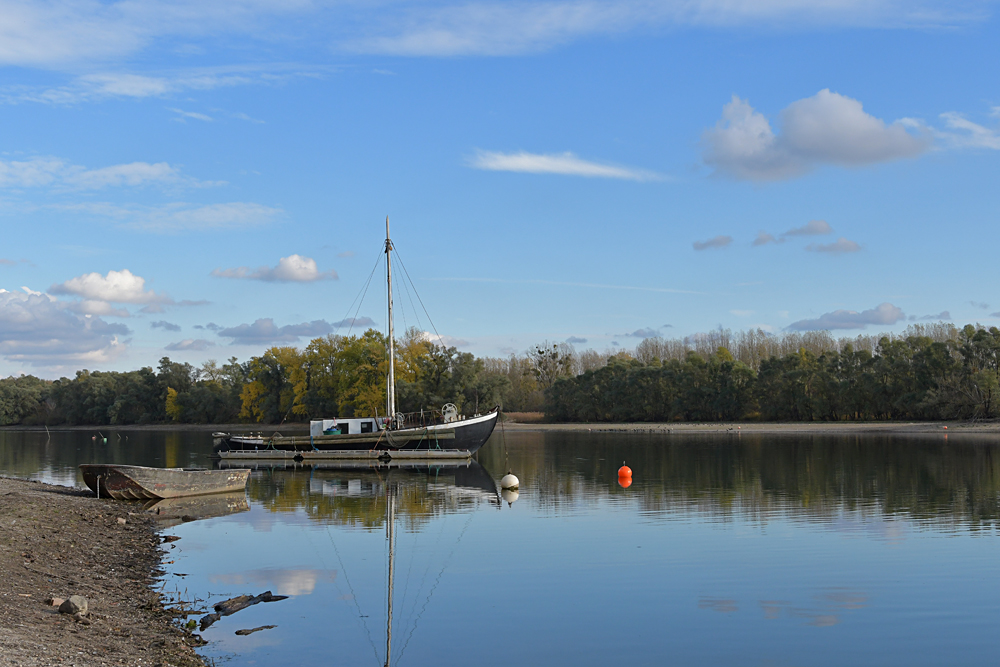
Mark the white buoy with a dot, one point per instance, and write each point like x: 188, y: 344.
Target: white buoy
x: 509, y: 481
x: 509, y: 496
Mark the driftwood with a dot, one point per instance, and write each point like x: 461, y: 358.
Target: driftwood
x: 233, y: 605
x: 244, y: 633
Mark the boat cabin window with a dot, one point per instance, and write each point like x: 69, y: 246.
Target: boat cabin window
x: 345, y: 428
x: 366, y: 427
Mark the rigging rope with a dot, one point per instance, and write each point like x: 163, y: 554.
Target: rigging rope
x: 361, y: 293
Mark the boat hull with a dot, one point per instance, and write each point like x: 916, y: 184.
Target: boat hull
x: 459, y: 439
x: 141, y: 483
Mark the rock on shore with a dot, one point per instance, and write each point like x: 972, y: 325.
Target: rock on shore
x: 57, y: 543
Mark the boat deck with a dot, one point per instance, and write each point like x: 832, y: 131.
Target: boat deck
x: 346, y: 454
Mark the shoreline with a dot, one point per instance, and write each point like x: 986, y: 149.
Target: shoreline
x: 766, y: 428
x: 56, y: 542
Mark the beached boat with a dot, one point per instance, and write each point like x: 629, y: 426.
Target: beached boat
x: 424, y: 435
x: 141, y: 483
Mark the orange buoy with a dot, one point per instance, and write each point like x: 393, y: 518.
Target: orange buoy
x: 625, y: 471
x: 625, y: 481
x: 946, y: 428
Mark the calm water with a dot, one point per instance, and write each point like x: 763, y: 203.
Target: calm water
x: 723, y: 551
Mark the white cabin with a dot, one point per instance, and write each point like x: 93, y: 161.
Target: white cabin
x: 343, y: 426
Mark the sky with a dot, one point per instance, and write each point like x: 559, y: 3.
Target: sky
x: 206, y: 180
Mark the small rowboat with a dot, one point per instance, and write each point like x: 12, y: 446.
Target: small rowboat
x: 142, y: 483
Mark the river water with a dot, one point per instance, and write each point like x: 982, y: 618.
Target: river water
x: 724, y: 550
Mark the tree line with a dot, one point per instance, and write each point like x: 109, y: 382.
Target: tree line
x: 927, y: 372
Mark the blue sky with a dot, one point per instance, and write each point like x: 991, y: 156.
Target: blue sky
x: 204, y: 182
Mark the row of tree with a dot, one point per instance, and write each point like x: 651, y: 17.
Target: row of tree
x: 927, y: 372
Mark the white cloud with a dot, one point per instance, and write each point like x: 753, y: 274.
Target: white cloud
x: 884, y: 314
x: 179, y: 216
x: 39, y: 330
x: 826, y: 128
x: 647, y: 332
x: 190, y: 344
x: 264, y: 330
x: 294, y: 268
x: 566, y: 164
x: 351, y: 322
x: 182, y: 115
x: 444, y: 341
x: 967, y: 134
x: 714, y: 242
x: 839, y: 246
x: 116, y: 287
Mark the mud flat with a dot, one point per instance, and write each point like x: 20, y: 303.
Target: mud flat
x: 57, y: 542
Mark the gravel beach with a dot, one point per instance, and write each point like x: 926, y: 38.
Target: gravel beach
x: 56, y: 542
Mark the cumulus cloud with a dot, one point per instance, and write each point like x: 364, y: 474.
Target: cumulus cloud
x: 349, y: 322
x: 178, y: 216
x: 827, y: 128
x: 190, y: 344
x: 166, y: 326
x: 576, y: 340
x: 884, y: 314
x: 294, y: 268
x: 39, y: 330
x: 714, y: 242
x: 811, y: 228
x: 566, y: 164
x: 839, y: 246
x: 117, y: 287
x: 264, y: 330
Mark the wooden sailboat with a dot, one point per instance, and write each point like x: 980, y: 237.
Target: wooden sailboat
x: 431, y: 435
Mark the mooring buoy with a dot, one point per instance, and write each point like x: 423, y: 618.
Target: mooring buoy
x: 624, y: 471
x: 509, y: 481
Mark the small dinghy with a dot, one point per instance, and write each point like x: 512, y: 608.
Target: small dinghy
x: 142, y: 483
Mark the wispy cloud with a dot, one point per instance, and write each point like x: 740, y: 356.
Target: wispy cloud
x: 179, y: 216
x: 38, y: 172
x: 183, y: 115
x: 576, y: 340
x: 714, y: 242
x: 838, y: 247
x: 556, y: 283
x: 512, y: 28
x: 166, y: 326
x: 566, y: 164
x: 294, y: 268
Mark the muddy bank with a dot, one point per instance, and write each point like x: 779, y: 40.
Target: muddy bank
x: 56, y: 542
x: 804, y: 428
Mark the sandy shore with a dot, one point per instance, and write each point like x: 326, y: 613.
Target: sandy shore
x: 809, y: 428
x: 56, y: 542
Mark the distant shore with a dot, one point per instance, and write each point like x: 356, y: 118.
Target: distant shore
x: 788, y: 428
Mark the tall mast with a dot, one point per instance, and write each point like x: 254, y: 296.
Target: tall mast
x: 391, y: 399
x: 391, y: 528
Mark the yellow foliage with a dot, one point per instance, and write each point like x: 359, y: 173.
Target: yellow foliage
x: 173, y: 410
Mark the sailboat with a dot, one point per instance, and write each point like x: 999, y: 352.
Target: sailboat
x: 444, y: 434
